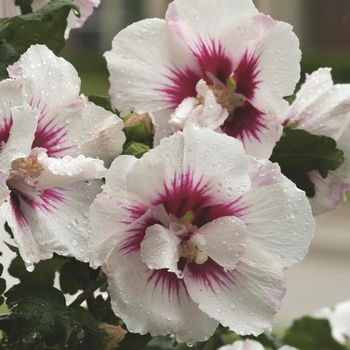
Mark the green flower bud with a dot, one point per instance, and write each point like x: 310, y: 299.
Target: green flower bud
x: 138, y: 127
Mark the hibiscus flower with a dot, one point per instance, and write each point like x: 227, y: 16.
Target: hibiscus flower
x: 323, y: 108
x: 50, y: 141
x: 219, y: 64
x: 197, y: 232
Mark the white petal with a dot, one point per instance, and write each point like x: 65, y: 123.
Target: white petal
x: 154, y: 301
x: 86, y: 129
x: 278, y: 216
x: 116, y: 175
x: 67, y: 170
x: 205, y: 18
x: 50, y: 82
x: 278, y: 65
x: 330, y: 192
x: 329, y: 114
x: 245, y: 299
x: 316, y: 84
x: 160, y: 249
x: 140, y: 73
x: 9, y: 9
x: 222, y: 240
x: 56, y: 225
x: 86, y: 8
x: 214, y: 161
x: 4, y: 190
x: 19, y: 142
x: 210, y: 114
x: 247, y: 344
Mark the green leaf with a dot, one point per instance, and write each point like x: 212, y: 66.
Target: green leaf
x: 104, y: 102
x: 8, y: 55
x: 45, y: 26
x: 136, y: 149
x: 299, y: 152
x: 25, y: 5
x: 44, y: 272
x: 311, y: 334
x: 40, y: 316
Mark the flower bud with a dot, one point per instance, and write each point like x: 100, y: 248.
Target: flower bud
x: 116, y: 333
x: 138, y: 127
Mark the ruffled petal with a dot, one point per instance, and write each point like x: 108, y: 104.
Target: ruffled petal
x: 82, y: 128
x: 154, y: 301
x: 155, y: 73
x: 20, y: 135
x: 4, y: 190
x: 183, y: 163
x: 316, y: 84
x: 206, y: 19
x: 222, y: 240
x: 329, y: 192
x: 64, y: 171
x: 160, y: 249
x: 86, y: 8
x: 321, y: 107
x: 245, y: 299
x: 276, y: 213
x: 41, y: 68
x: 208, y: 114
x: 9, y: 9
x: 55, y: 224
x: 247, y: 344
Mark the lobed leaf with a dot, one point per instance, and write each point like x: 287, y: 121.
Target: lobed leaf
x: 299, y: 152
x: 309, y: 333
x: 39, y: 316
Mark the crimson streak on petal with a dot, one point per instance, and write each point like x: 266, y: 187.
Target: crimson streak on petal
x: 5, y: 128
x: 209, y: 272
x: 247, y: 122
x: 50, y: 135
x: 183, y: 194
x: 246, y: 75
x: 212, y: 58
x: 182, y: 84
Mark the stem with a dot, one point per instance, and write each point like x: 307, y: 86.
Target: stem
x: 88, y: 291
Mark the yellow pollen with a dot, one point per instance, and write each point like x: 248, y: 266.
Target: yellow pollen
x: 28, y: 166
x: 191, y: 252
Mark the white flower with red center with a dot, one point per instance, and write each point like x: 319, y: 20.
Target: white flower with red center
x: 323, y: 108
x: 195, y: 233
x: 250, y: 344
x: 220, y: 64
x: 339, y: 319
x: 50, y: 138
x: 86, y: 7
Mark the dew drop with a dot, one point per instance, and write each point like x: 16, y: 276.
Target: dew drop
x: 169, y: 318
x: 74, y: 242
x: 232, y: 306
x: 190, y: 343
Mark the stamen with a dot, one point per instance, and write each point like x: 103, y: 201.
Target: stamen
x: 28, y: 166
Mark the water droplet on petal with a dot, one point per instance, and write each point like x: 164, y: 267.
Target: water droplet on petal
x: 190, y: 343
